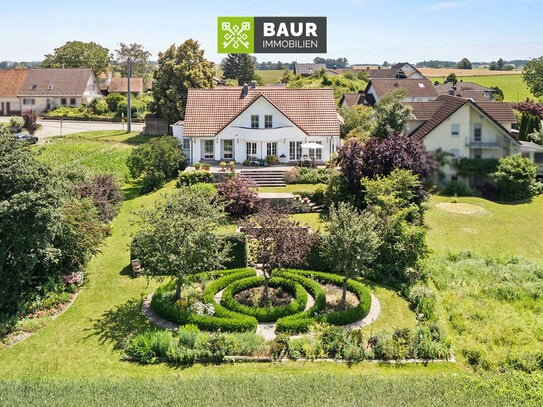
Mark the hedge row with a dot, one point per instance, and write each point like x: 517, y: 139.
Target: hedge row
x: 265, y: 314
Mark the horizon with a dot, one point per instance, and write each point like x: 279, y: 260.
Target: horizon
x: 363, y: 31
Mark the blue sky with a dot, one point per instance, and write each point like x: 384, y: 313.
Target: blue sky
x: 363, y: 31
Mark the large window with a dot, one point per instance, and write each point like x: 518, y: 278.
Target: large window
x: 268, y: 121
x: 255, y: 122
x: 227, y: 149
x: 208, y: 149
x: 455, y: 129
x: 477, y: 131
x: 295, y: 150
x: 251, y: 151
x: 271, y: 148
x: 316, y: 153
x: 186, y: 144
x: 29, y: 102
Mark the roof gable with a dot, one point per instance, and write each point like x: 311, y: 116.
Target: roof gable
x: 56, y: 82
x: 413, y: 87
x: 211, y: 110
x: 308, y: 69
x: 11, y: 81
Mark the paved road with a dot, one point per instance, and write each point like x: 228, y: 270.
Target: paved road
x: 52, y: 128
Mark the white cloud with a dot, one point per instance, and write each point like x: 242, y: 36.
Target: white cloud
x: 443, y: 5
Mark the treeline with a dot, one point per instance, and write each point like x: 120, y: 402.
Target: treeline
x: 331, y: 63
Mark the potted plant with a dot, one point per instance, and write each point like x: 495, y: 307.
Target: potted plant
x: 197, y: 166
x: 223, y: 166
x: 232, y: 165
x: 206, y: 166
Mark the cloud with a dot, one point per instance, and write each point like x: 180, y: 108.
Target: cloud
x: 443, y: 5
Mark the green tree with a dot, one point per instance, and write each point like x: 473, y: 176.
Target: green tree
x: 179, y: 69
x: 139, y: 60
x: 515, y: 178
x: 451, y: 78
x: 391, y: 114
x: 350, y: 244
x: 357, y: 121
x: 177, y: 237
x: 464, y: 63
x: 28, y: 221
x: 532, y: 74
x: 157, y: 161
x: 240, y: 67
x: 78, y: 54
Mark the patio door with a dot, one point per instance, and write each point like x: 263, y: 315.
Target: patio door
x: 251, y: 150
x: 295, y: 150
x: 228, y: 149
x: 209, y: 152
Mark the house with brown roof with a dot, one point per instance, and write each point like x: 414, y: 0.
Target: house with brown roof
x: 138, y: 86
x: 48, y: 88
x: 468, y: 90
x: 308, y: 69
x: 352, y: 99
x: 464, y: 128
x: 11, y: 81
x: 401, y: 70
x: 416, y: 89
x: 250, y: 123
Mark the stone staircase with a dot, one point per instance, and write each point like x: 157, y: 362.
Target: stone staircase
x: 265, y: 177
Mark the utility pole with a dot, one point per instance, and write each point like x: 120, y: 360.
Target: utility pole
x: 128, y: 108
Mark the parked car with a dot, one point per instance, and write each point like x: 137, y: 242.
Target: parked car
x: 26, y: 137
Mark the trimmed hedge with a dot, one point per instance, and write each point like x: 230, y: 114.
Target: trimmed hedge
x: 264, y: 314
x: 194, y: 177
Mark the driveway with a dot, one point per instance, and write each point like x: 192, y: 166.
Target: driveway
x: 53, y: 128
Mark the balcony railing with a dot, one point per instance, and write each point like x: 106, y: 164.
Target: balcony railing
x: 483, y: 143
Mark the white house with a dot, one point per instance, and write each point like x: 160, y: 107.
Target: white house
x: 250, y: 123
x: 416, y: 89
x: 464, y: 128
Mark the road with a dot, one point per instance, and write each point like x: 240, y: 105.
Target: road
x: 52, y: 128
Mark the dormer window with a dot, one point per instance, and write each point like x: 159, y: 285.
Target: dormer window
x: 255, y: 121
x: 268, y: 121
x: 50, y: 87
x: 33, y: 87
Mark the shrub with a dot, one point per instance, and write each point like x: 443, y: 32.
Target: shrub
x: 515, y: 178
x: 194, y: 177
x: 304, y: 175
x: 238, y: 251
x: 187, y: 335
x: 148, y: 346
x: 422, y: 300
x: 457, y: 188
x: 239, y: 195
x: 104, y: 190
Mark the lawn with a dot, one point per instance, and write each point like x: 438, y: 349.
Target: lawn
x: 513, y: 87
x: 270, y: 76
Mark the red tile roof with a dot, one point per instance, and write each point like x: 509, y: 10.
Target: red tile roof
x: 500, y: 111
x: 308, y: 69
x: 414, y: 87
x: 55, y: 82
x: 120, y: 85
x: 351, y: 99
x: 11, y: 81
x: 210, y: 110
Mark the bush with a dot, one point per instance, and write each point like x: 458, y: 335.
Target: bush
x: 104, y: 190
x: 423, y: 300
x: 239, y: 195
x: 238, y: 251
x: 150, y: 345
x: 194, y: 177
x: 515, y: 178
x: 304, y: 175
x: 457, y: 188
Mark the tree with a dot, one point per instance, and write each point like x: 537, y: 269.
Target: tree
x: 391, y: 114
x: 239, y: 195
x: 278, y: 241
x: 29, y: 217
x: 349, y: 159
x: 357, y: 121
x: 179, y: 69
x: 240, y: 67
x: 104, y: 192
x: 139, y: 60
x: 532, y: 74
x: 515, y: 178
x: 177, y: 237
x: 464, y: 63
x: 451, y: 78
x: 78, y: 54
x: 30, y: 121
x: 156, y: 162
x: 351, y: 242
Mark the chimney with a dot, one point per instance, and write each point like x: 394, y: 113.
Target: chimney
x: 253, y: 84
x: 451, y: 91
x: 245, y: 90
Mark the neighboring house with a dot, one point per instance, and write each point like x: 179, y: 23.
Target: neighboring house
x: 534, y: 152
x: 352, y: 99
x: 11, y: 81
x: 402, y: 70
x: 138, y: 86
x: 416, y: 89
x: 49, y: 88
x: 464, y: 128
x: 250, y: 123
x: 308, y: 69
x: 468, y: 90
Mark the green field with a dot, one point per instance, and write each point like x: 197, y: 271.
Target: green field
x: 270, y: 76
x: 513, y: 87
x: 77, y: 358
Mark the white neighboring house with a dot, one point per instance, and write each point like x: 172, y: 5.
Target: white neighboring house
x: 416, y: 89
x: 464, y: 128
x: 48, y: 88
x: 250, y: 123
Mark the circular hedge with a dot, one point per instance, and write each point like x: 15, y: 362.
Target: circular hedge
x: 265, y: 314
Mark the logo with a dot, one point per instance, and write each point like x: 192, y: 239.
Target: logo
x: 248, y: 35
x: 236, y: 35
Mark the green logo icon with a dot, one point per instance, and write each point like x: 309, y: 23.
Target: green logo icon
x: 235, y: 35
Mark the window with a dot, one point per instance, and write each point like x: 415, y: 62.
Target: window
x: 538, y: 158
x: 251, y: 151
x: 208, y: 149
x: 477, y: 131
x: 455, y: 129
x: 50, y: 87
x: 29, y: 102
x: 295, y: 150
x: 227, y: 149
x: 33, y: 87
x: 72, y: 102
x: 186, y: 144
x: 255, y: 121
x: 316, y: 153
x: 268, y: 121
x: 271, y: 148
x: 477, y: 153
x: 63, y: 101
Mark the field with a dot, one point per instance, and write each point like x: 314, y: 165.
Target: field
x: 77, y: 358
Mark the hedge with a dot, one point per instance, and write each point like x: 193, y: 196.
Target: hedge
x: 193, y: 177
x: 265, y: 314
x: 238, y: 254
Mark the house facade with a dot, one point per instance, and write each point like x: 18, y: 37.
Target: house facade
x: 250, y: 123
x: 49, y: 88
x: 464, y: 129
x: 11, y: 81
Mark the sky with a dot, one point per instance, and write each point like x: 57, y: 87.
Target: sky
x: 363, y: 31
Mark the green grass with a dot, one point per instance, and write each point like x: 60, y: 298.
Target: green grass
x: 270, y: 76
x: 513, y: 87
x: 97, y: 151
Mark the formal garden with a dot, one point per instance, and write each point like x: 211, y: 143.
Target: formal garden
x: 434, y: 295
